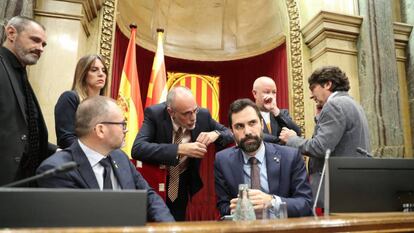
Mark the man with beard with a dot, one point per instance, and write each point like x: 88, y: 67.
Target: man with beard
x: 276, y: 173
x: 101, y: 128
x: 23, y: 134
x: 175, y: 136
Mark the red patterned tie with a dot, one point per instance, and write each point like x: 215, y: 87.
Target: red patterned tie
x: 175, y: 171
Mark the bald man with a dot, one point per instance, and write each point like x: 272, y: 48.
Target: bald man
x: 176, y: 134
x: 264, y: 93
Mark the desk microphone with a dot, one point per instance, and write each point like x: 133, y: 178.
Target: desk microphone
x: 51, y: 172
x: 327, y: 154
x: 363, y: 152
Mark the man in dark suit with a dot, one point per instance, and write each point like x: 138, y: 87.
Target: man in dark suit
x: 276, y: 173
x: 101, y: 128
x: 23, y: 134
x: 264, y: 93
x: 176, y: 134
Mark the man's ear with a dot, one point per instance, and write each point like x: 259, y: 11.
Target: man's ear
x: 170, y: 111
x: 99, y: 130
x: 11, y: 33
x: 328, y: 85
x: 254, y: 93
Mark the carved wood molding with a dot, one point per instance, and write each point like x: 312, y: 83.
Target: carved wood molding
x: 295, y: 45
x: 107, y: 32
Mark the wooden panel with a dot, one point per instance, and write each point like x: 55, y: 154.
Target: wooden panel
x: 369, y: 222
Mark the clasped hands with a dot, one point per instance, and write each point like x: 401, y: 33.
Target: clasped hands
x: 198, y: 148
x: 259, y: 200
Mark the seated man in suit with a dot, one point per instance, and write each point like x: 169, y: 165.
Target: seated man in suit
x: 264, y: 93
x: 101, y: 128
x: 276, y: 173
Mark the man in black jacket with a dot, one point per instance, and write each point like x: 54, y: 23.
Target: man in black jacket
x: 264, y: 93
x: 23, y: 134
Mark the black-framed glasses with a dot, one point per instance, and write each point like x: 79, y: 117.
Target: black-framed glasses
x: 123, y: 123
x: 190, y: 113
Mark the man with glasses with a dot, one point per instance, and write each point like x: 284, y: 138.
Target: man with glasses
x: 100, y: 128
x: 175, y: 135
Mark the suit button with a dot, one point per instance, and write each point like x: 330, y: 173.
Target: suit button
x: 23, y: 137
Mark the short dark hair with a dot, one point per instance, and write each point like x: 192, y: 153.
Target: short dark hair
x: 90, y: 112
x: 323, y: 75
x: 240, y: 104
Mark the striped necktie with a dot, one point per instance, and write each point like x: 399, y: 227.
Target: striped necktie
x: 175, y: 171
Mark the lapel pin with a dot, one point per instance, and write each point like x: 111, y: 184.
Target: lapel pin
x: 276, y: 159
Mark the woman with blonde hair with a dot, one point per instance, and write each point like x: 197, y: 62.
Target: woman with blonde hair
x: 89, y: 80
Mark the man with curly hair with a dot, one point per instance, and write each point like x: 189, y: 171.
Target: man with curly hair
x: 341, y: 126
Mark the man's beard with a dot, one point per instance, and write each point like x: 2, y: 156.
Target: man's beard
x: 252, y: 146
x: 26, y: 56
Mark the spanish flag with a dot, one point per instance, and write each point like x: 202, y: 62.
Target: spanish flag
x: 157, y: 88
x: 129, y: 96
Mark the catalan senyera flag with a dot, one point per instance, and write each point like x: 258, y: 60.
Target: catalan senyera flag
x: 129, y: 96
x: 157, y: 88
x: 156, y: 175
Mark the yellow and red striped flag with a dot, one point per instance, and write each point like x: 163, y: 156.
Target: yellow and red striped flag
x: 157, y: 88
x: 129, y: 96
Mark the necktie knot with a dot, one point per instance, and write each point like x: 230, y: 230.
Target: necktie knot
x: 253, y: 161
x: 105, y: 162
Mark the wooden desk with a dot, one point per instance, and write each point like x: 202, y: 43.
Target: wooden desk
x: 363, y: 222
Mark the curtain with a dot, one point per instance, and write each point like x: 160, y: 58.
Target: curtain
x: 10, y: 8
x: 236, y: 81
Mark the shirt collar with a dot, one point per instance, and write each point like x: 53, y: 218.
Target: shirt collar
x: 332, y: 95
x: 176, y: 127
x: 259, y: 155
x: 93, y: 156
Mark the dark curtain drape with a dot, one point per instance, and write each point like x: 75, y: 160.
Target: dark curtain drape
x: 11, y: 8
x: 236, y: 80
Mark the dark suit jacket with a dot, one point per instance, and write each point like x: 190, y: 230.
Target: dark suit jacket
x: 153, y: 143
x: 84, y: 178
x: 14, y: 128
x: 65, y: 111
x: 286, y: 175
x: 282, y: 120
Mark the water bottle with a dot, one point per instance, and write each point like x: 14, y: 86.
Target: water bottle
x: 244, y: 208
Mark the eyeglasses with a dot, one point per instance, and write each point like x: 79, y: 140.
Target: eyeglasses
x: 190, y: 113
x: 123, y: 123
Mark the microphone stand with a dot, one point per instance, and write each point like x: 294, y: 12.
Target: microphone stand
x: 327, y: 154
x: 64, y: 168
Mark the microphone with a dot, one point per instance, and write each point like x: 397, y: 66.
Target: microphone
x: 327, y: 155
x: 48, y: 173
x: 363, y: 152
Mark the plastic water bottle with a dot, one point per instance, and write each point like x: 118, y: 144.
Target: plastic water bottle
x: 244, y: 208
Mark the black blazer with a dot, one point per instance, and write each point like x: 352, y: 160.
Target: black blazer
x: 14, y: 128
x: 84, y: 178
x: 282, y: 120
